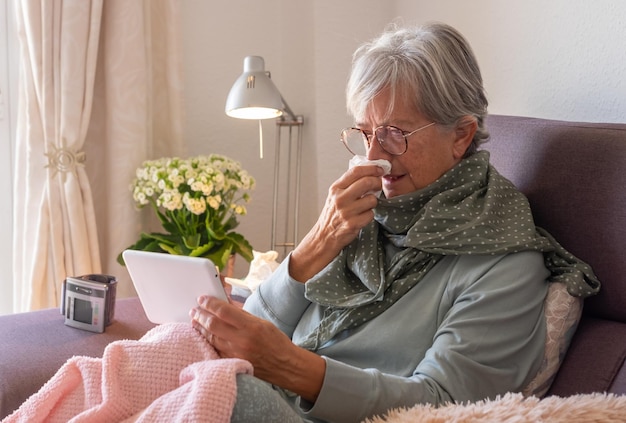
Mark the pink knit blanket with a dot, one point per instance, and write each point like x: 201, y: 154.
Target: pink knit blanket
x: 171, y: 374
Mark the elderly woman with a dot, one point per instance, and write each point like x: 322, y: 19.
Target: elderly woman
x: 429, y: 293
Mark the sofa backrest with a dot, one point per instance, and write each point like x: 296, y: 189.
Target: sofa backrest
x: 574, y: 175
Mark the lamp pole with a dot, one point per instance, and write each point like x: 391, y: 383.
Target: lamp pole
x: 293, y: 123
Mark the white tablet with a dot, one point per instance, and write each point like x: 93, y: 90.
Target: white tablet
x: 168, y: 285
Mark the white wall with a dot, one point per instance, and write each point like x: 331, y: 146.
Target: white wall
x: 559, y: 59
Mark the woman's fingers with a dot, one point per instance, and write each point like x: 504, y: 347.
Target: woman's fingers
x: 349, y: 205
x: 219, y: 321
x: 234, y: 333
x: 359, y: 181
x: 347, y: 210
x: 216, y: 318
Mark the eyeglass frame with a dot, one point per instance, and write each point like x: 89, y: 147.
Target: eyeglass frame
x: 368, y: 138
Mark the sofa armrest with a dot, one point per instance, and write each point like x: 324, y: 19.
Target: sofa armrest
x: 34, y: 345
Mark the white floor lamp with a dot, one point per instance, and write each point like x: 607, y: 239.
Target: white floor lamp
x: 254, y: 96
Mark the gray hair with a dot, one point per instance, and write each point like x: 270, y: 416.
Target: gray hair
x: 432, y: 66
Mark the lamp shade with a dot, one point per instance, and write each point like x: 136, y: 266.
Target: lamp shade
x: 254, y: 95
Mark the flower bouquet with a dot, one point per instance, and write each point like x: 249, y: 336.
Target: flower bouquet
x: 198, y: 201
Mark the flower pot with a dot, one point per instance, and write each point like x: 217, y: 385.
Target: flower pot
x: 229, y: 271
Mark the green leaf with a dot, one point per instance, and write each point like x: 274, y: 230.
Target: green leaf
x: 202, y: 250
x: 176, y: 250
x: 241, y: 246
x: 218, y: 235
x: 192, y: 241
x: 164, y: 220
x: 146, y: 242
x: 221, y: 256
x: 161, y: 238
x: 231, y: 224
x: 170, y: 227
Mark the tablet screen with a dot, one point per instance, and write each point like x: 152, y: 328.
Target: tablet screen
x: 168, y: 285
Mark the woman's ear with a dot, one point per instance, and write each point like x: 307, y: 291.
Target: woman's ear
x: 465, y: 130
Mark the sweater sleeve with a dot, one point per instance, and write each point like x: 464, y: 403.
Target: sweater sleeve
x: 489, y: 340
x: 279, y: 299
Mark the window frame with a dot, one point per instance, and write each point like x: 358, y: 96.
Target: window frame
x: 9, y: 69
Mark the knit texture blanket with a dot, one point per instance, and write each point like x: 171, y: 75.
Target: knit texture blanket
x: 171, y: 374
x: 514, y: 408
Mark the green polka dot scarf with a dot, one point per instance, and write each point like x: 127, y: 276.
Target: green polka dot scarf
x: 471, y: 209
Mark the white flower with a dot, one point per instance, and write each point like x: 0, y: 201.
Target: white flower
x: 196, y: 185
x: 194, y: 205
x: 214, y: 202
x: 140, y: 197
x: 178, y: 186
x: 207, y: 189
x: 171, y: 200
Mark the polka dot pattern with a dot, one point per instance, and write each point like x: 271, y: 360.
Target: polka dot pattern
x: 471, y: 209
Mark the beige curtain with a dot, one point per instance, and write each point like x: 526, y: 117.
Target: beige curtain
x: 96, y: 78
x: 137, y: 114
x: 55, y: 228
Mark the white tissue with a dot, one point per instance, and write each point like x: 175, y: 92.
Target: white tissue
x: 362, y: 161
x: 261, y: 267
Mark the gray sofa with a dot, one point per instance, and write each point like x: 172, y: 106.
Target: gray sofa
x: 574, y: 174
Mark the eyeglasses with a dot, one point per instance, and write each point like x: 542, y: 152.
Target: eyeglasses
x: 391, y: 139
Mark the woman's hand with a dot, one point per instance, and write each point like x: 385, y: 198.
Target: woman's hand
x: 347, y: 210
x: 234, y: 333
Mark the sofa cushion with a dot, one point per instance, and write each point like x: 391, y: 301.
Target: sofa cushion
x: 574, y: 175
x: 595, y: 360
x: 562, y: 316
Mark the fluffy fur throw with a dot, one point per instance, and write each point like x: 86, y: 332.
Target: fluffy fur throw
x: 515, y: 408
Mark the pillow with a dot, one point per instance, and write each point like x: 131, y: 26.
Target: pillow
x: 562, y: 312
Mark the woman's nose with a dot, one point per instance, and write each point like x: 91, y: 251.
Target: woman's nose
x: 376, y: 151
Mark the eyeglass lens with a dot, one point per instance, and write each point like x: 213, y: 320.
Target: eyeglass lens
x: 390, y: 138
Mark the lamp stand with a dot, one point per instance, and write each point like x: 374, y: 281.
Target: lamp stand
x: 287, y: 186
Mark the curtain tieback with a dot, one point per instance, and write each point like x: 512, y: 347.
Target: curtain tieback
x: 64, y: 159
